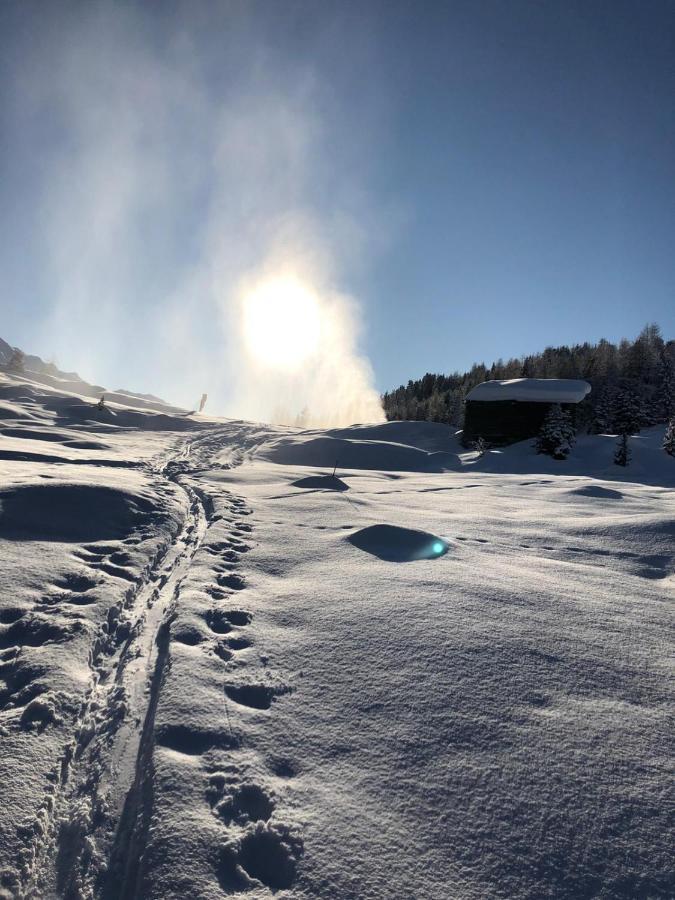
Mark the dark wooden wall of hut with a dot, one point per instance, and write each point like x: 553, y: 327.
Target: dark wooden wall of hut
x: 501, y: 422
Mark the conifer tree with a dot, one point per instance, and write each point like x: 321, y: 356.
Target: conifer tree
x: 665, y: 390
x: 629, y: 412
x: 603, y: 419
x: 622, y: 452
x: 556, y: 437
x: 669, y: 438
x: 437, y: 411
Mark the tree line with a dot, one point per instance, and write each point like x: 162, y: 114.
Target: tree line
x: 633, y: 384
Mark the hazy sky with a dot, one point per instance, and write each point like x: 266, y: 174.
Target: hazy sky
x: 481, y: 178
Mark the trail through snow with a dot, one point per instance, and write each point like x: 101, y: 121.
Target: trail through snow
x: 110, y: 756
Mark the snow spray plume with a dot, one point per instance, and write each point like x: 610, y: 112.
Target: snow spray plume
x: 168, y: 188
x: 298, y: 363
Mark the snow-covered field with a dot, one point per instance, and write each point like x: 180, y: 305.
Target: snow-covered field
x: 225, y: 670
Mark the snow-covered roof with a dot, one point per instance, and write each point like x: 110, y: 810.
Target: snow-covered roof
x: 534, y: 390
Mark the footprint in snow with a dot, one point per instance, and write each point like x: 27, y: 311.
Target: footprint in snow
x: 218, y: 621
x: 121, y: 558
x: 232, y: 581
x: 100, y: 549
x: 193, y: 741
x: 229, y: 556
x: 255, y: 696
x: 240, y: 546
x: 238, y: 617
x: 267, y: 853
x: 247, y: 803
x: 223, y: 652
x: 282, y: 768
x: 76, y: 582
x: 114, y: 571
x: 20, y: 678
x: 238, y: 643
x: 216, y: 548
x: 189, y: 635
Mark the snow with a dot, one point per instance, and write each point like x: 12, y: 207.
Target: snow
x: 396, y: 544
x: 393, y: 446
x: 38, y: 373
x: 224, y: 669
x: 532, y: 390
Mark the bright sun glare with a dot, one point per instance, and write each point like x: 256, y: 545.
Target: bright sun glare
x: 282, y: 323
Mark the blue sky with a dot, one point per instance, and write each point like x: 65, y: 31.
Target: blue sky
x: 484, y: 178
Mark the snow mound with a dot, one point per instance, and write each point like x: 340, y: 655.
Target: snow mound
x: 380, y: 456
x: 534, y: 390
x: 595, y: 490
x: 395, y: 544
x: 321, y: 483
x: 430, y: 436
x: 69, y: 513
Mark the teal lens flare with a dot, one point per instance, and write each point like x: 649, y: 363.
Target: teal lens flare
x: 438, y: 547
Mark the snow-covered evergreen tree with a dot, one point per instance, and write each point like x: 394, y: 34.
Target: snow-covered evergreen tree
x: 665, y: 389
x: 604, y: 359
x: 622, y: 452
x: 629, y: 412
x: 457, y: 407
x: 669, y: 438
x: 437, y: 409
x: 642, y: 356
x: 556, y: 437
x: 603, y: 420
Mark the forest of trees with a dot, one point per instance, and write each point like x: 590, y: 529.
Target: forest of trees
x: 638, y: 375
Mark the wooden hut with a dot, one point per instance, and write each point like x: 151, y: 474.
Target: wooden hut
x: 503, y: 412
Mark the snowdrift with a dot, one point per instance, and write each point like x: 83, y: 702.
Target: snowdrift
x: 391, y: 447
x: 69, y: 512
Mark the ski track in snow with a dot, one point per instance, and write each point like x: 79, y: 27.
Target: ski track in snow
x: 91, y: 829
x: 126, y: 666
x: 92, y: 825
x: 225, y: 672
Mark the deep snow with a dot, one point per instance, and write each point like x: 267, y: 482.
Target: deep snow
x: 224, y: 669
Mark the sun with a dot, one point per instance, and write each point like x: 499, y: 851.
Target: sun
x: 282, y: 323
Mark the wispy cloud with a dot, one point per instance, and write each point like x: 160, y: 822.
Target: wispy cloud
x: 181, y: 169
